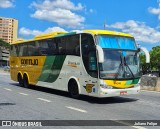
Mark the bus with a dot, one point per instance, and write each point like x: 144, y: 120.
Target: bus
x: 98, y: 63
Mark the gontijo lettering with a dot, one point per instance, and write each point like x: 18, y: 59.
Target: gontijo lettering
x: 29, y: 61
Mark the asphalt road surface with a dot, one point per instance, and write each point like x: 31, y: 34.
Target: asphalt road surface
x: 18, y: 103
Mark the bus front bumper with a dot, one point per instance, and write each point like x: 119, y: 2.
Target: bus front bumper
x: 118, y: 92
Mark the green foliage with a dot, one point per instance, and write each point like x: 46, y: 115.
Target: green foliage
x: 154, y: 58
x: 142, y: 59
x: 4, y: 44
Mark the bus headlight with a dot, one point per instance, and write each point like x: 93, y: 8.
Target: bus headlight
x: 105, y: 86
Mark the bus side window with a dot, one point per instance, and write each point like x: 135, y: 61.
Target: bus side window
x: 17, y: 50
x: 73, y: 45
x: 89, y: 54
x: 42, y: 47
x: 52, y: 47
x: 61, y: 45
x: 14, y: 51
x: 23, y: 50
x: 92, y: 61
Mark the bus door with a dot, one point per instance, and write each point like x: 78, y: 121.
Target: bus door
x: 89, y: 59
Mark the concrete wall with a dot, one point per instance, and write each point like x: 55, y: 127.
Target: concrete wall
x: 158, y: 85
x: 150, y: 83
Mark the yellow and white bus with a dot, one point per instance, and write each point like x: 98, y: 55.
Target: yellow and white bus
x: 97, y: 63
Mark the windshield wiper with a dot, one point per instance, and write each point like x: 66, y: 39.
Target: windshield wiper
x: 119, y: 68
x: 128, y: 67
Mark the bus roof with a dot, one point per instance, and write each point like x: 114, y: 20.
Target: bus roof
x: 59, y: 34
x: 41, y: 36
x: 107, y: 32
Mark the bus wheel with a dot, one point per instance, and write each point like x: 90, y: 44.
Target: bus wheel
x: 25, y: 81
x: 20, y: 80
x: 73, y: 89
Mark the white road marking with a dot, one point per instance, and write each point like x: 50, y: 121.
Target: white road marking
x: 124, y: 123
x: 8, y: 89
x: 46, y: 100
x: 23, y: 94
x: 76, y: 109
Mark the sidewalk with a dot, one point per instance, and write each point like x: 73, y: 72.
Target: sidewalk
x: 2, y: 71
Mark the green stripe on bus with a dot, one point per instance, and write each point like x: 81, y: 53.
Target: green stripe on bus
x: 134, y: 81
x: 66, y: 34
x: 52, y: 68
x: 129, y: 82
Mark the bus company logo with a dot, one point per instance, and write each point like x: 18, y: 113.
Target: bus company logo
x: 89, y: 88
x: 117, y: 83
x: 29, y: 61
x: 73, y: 64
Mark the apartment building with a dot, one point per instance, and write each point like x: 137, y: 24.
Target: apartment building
x: 8, y: 29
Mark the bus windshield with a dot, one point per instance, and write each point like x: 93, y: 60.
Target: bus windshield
x: 119, y: 65
x: 121, y: 60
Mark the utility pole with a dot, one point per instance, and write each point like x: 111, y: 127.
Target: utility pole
x: 105, y: 25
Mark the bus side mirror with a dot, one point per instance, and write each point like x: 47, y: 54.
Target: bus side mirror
x: 146, y: 53
x: 100, y: 54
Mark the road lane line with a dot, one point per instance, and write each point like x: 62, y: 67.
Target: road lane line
x: 46, y: 100
x: 23, y: 93
x: 124, y: 123
x: 8, y: 89
x: 76, y: 109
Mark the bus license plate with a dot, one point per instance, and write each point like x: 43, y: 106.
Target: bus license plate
x: 123, y: 93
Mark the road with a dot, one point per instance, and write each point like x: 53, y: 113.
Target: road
x: 18, y: 103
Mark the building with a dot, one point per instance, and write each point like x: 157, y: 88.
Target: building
x: 4, y: 57
x: 8, y: 29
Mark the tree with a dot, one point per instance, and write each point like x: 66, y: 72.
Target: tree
x: 4, y: 44
x: 145, y: 67
x: 154, y: 59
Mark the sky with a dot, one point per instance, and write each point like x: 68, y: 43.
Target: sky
x: 141, y: 18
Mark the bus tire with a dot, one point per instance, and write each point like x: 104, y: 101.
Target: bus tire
x: 20, y: 80
x: 73, y: 89
x: 25, y: 81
